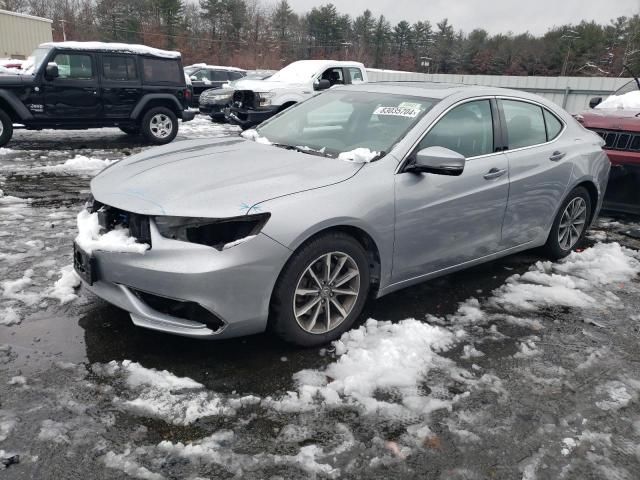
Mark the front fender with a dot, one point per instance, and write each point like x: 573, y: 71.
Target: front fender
x: 14, y: 102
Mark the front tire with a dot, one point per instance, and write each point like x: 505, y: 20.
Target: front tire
x: 570, y: 224
x: 6, y: 128
x: 160, y: 125
x: 321, y: 291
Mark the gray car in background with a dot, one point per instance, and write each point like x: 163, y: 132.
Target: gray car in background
x: 355, y: 193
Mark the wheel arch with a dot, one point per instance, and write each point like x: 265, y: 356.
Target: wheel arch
x: 156, y: 100
x: 13, y: 107
x: 594, y: 196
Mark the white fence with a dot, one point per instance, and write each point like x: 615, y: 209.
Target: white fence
x: 571, y: 93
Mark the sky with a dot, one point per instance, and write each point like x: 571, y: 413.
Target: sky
x: 495, y: 16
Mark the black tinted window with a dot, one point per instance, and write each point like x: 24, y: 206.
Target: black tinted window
x: 160, y: 70
x: 119, y: 68
x: 235, y: 75
x: 525, y: 125
x: 74, y: 66
x: 554, y: 126
x: 467, y: 129
x: 219, y: 76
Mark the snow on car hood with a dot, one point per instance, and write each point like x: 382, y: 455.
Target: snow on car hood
x: 213, y: 177
x: 263, y: 85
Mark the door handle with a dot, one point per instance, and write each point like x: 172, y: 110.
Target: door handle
x: 495, y: 173
x: 91, y: 89
x: 557, y: 156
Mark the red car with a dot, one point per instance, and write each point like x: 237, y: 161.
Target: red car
x: 617, y: 121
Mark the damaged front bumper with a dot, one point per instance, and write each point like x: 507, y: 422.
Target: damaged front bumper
x: 192, y: 290
x: 246, y: 117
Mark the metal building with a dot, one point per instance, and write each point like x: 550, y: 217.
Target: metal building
x: 20, y: 34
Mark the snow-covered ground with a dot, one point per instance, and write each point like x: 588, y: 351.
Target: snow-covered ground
x: 522, y: 368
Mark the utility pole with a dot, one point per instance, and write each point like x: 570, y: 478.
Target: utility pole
x: 570, y: 35
x: 64, y: 33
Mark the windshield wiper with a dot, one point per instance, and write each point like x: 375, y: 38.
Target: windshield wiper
x: 309, y: 151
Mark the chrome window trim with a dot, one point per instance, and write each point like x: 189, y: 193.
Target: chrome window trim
x: 544, y: 107
x: 488, y: 97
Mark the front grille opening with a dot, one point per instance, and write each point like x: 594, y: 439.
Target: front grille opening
x: 138, y: 225
x: 177, y: 308
x: 628, y: 142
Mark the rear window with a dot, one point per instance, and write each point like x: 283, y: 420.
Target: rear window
x: 119, y: 68
x: 159, y: 70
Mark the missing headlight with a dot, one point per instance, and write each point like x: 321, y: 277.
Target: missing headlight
x: 212, y: 232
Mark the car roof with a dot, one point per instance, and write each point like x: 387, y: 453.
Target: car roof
x: 217, y: 67
x: 112, y: 47
x: 439, y: 90
x: 339, y: 63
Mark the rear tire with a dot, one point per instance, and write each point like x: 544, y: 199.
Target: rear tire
x: 570, y: 224
x: 160, y: 125
x: 293, y: 319
x: 131, y: 130
x: 6, y: 128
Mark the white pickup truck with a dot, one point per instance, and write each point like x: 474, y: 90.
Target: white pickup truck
x: 261, y: 99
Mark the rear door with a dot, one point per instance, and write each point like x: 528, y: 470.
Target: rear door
x: 443, y: 221
x: 540, y: 165
x: 74, y: 95
x: 121, y: 84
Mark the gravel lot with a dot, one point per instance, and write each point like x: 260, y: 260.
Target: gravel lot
x: 519, y: 368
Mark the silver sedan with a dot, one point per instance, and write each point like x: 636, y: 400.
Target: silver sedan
x: 355, y: 193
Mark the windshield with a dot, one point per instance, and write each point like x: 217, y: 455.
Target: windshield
x: 33, y: 63
x: 628, y: 87
x: 342, y: 121
x: 296, y: 72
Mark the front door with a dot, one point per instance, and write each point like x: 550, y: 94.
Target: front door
x: 74, y: 94
x: 443, y: 221
x: 121, y: 85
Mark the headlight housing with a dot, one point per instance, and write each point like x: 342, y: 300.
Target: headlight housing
x: 264, y: 98
x: 219, y: 233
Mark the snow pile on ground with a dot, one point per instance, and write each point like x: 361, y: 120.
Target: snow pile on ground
x: 117, y: 240
x: 630, y: 100
x: 253, y: 135
x: 124, y: 463
x: 572, y: 282
x: 8, y: 422
x: 160, y: 394
x: 377, y: 357
x: 81, y: 164
x: 10, y: 200
x: 9, y: 316
x: 64, y: 288
x: 359, y: 155
x: 6, y: 151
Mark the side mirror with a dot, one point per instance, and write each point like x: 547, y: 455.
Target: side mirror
x: 437, y: 160
x: 594, y: 102
x: 51, y: 71
x: 322, y: 85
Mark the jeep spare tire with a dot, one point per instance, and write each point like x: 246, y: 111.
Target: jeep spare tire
x: 159, y: 125
x: 6, y: 128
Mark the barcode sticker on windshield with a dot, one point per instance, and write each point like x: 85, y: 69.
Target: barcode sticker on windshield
x: 397, y: 111
x: 417, y: 106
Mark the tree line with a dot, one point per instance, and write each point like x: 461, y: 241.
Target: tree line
x: 257, y: 34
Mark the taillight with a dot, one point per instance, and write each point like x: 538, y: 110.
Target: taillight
x: 187, y: 94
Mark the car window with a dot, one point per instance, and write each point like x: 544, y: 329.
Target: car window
x: 525, y: 124
x: 554, y: 126
x: 159, y: 70
x: 342, y: 120
x: 466, y: 129
x: 74, y: 66
x: 200, y: 76
x: 119, y: 68
x: 356, y: 75
x: 334, y: 75
x: 219, y: 76
x: 235, y: 75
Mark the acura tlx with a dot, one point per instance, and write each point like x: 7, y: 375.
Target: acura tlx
x: 354, y: 193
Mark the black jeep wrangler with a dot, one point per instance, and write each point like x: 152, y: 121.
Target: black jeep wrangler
x: 80, y: 85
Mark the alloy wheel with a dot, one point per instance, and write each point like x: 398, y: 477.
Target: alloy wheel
x: 326, y: 292
x: 161, y: 125
x: 572, y: 223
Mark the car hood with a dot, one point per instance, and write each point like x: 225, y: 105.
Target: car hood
x: 612, y: 119
x: 263, y: 85
x: 215, y: 178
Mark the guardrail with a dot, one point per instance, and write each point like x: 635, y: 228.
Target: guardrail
x: 571, y: 93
